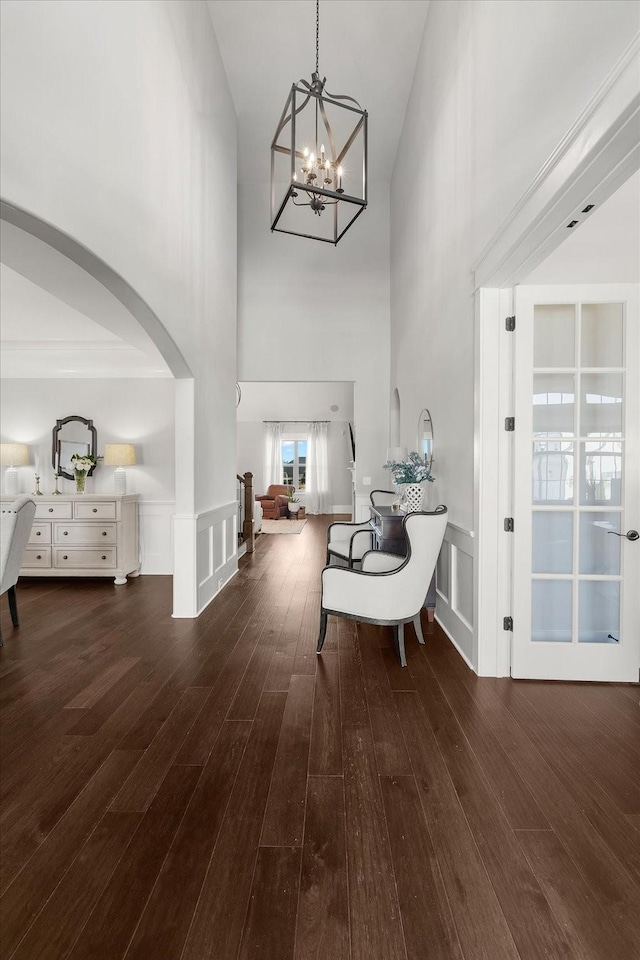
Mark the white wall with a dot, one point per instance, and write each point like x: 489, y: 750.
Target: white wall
x: 251, y: 436
x: 311, y: 311
x: 496, y: 86
x: 136, y: 411
x: 302, y: 401
x: 605, y: 248
x: 119, y: 129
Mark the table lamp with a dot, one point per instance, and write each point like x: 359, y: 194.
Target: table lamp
x: 120, y: 455
x: 13, y: 455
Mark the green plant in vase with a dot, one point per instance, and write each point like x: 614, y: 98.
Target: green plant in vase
x: 81, y: 464
x: 409, y: 475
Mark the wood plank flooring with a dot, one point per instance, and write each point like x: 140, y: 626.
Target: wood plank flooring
x: 212, y: 790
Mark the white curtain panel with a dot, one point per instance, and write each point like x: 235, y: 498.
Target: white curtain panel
x: 273, y: 453
x: 318, y: 495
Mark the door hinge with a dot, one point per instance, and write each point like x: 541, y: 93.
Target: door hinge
x: 510, y: 324
x: 509, y: 424
x: 507, y: 623
x: 508, y: 524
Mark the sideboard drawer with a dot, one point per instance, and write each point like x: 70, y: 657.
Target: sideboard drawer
x: 89, y: 558
x: 98, y: 510
x: 80, y: 533
x: 40, y: 533
x: 36, y: 558
x: 54, y: 511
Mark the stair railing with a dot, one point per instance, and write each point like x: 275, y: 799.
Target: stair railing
x: 246, y: 526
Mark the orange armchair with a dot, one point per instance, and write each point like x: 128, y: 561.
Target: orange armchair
x: 274, y: 501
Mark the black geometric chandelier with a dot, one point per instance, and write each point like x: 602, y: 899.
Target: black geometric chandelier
x: 318, y: 161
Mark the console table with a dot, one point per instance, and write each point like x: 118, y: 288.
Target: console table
x: 82, y: 535
x: 388, y: 535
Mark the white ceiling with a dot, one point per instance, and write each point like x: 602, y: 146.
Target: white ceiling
x: 368, y: 50
x: 605, y: 248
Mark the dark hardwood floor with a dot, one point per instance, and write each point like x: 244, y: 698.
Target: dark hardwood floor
x: 185, y: 790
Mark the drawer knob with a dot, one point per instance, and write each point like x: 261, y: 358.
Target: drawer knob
x: 39, y: 557
x: 66, y: 533
x: 95, y: 509
x: 38, y: 533
x: 104, y: 558
x: 104, y: 533
x: 50, y: 509
x: 65, y: 557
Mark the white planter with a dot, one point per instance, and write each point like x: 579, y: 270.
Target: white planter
x: 293, y: 508
x: 412, y: 497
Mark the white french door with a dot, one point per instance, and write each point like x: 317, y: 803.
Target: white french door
x: 576, y: 573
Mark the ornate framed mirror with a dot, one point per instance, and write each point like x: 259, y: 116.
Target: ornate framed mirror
x: 72, y: 435
x: 424, y: 440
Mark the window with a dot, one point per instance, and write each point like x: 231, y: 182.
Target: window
x: 294, y: 462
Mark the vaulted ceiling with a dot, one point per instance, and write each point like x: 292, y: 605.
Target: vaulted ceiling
x: 368, y: 50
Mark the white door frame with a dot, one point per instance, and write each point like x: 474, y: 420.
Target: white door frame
x: 597, y: 154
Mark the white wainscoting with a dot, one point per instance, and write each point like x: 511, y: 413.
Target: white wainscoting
x: 454, y: 607
x: 156, y: 536
x: 216, y: 551
x: 206, y: 557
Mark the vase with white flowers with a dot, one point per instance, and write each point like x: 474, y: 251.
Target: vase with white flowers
x: 81, y: 464
x: 409, y: 477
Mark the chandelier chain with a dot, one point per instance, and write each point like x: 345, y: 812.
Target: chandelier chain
x: 317, y: 36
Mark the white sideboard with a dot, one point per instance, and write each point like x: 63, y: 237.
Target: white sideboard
x: 83, y: 535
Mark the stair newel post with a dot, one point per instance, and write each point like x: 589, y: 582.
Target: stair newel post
x: 248, y: 529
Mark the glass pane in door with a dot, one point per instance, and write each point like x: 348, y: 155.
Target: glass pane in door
x: 601, y: 473
x: 601, y: 405
x: 552, y: 542
x: 599, y: 547
x: 552, y: 472
x: 601, y: 335
x: 554, y: 335
x: 551, y: 611
x: 599, y: 611
x: 553, y: 405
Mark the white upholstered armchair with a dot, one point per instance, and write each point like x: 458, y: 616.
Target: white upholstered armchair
x: 15, y: 529
x: 388, y: 589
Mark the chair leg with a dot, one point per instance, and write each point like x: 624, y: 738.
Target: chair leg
x: 13, y: 606
x: 399, y: 630
x: 417, y: 626
x: 323, y: 631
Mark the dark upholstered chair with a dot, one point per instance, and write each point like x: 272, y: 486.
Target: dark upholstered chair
x: 274, y: 502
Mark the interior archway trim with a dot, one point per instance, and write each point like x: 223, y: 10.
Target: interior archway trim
x: 106, y: 276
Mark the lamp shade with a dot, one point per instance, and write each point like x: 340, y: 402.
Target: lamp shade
x: 14, y: 454
x: 119, y: 455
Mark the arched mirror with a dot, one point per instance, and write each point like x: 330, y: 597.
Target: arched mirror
x: 73, y: 435
x: 424, y: 440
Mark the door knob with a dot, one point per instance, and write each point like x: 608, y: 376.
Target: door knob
x: 630, y: 534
